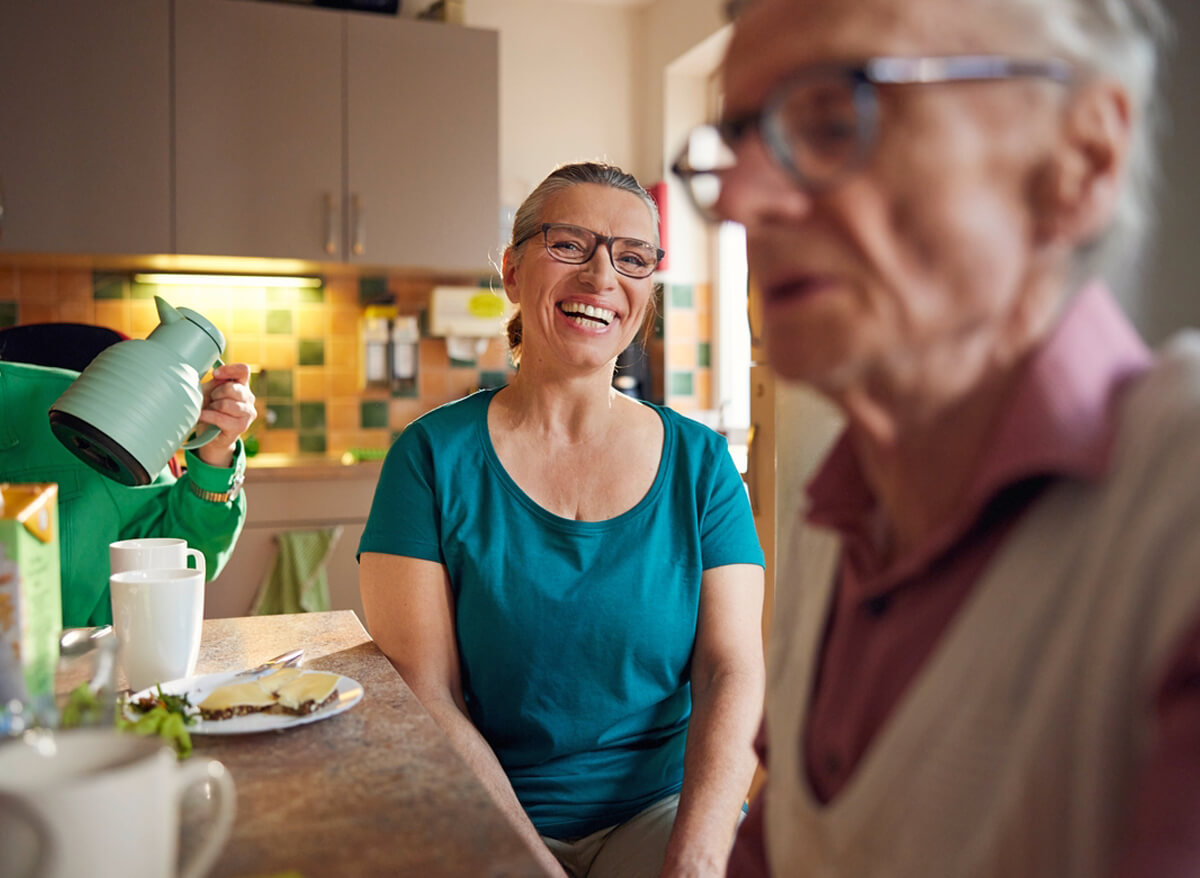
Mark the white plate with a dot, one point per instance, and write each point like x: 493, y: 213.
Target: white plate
x: 349, y: 693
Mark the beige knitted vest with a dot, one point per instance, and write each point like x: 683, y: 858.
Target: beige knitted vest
x: 1014, y: 750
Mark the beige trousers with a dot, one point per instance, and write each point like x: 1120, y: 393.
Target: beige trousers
x: 633, y: 849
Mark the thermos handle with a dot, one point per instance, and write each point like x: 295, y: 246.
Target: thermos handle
x: 208, y: 432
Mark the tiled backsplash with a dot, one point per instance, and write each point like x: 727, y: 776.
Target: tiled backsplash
x: 306, y: 348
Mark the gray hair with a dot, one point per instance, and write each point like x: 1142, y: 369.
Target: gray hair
x: 528, y: 220
x: 1120, y: 40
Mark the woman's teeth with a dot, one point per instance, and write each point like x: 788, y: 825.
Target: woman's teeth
x: 587, y: 315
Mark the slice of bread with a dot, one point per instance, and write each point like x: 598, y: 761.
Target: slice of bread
x: 272, y: 682
x: 307, y: 692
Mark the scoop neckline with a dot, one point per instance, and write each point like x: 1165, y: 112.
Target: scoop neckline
x: 570, y: 524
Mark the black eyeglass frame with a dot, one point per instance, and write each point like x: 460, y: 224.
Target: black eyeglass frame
x: 598, y: 239
x: 863, y: 76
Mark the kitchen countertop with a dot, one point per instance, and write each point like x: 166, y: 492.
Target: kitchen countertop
x: 375, y: 791
x: 290, y: 467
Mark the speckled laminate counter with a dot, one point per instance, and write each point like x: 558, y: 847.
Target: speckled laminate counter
x: 375, y: 791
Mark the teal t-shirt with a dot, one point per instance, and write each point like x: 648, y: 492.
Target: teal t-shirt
x: 575, y: 638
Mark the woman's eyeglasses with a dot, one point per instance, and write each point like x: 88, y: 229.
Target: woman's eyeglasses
x: 821, y: 123
x: 576, y: 245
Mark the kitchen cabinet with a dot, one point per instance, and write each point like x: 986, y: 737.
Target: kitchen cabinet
x: 323, y: 135
x: 299, y: 496
x: 85, y: 115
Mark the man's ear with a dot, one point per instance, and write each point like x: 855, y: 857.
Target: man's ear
x: 508, y: 272
x: 1078, y: 190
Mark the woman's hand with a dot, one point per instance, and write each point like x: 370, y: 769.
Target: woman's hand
x: 229, y: 405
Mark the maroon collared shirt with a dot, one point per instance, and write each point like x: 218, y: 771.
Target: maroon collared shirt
x: 885, y: 620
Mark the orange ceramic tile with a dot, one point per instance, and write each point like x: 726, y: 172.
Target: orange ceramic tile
x: 312, y: 321
x: 434, y: 385
x: 337, y: 442
x: 113, y: 313
x: 681, y: 355
x: 244, y: 349
x: 703, y: 388
x: 344, y: 383
x: 38, y: 286
x: 278, y: 441
x: 8, y: 283
x: 143, y: 317
x: 402, y: 412
x: 373, y: 438
x: 74, y: 285
x: 77, y: 311
x: 702, y: 298
x: 681, y: 325
x: 341, y: 414
x: 344, y: 321
x: 36, y: 313
x: 704, y: 327
x: 247, y: 320
x: 342, y: 351
x: 433, y: 353
x: 312, y: 383
x: 342, y: 292
x: 280, y: 352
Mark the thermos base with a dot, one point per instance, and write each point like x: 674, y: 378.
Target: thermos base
x: 97, y: 449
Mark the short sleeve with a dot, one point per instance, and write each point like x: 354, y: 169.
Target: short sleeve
x: 404, y: 518
x: 727, y: 532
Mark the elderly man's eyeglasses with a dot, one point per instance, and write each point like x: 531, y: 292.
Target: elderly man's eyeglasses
x: 576, y: 245
x: 821, y: 123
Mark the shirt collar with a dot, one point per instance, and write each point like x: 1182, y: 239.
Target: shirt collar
x: 1060, y: 421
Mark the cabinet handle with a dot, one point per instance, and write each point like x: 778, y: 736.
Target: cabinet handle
x: 359, y: 222
x: 330, y: 226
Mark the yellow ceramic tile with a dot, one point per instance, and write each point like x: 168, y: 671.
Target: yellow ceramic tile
x: 704, y: 328
x: 681, y: 355
x: 312, y: 321
x: 143, y: 317
x: 113, y: 313
x: 248, y: 319
x: 278, y: 442
x: 245, y: 349
x: 38, y: 286
x: 342, y: 350
x: 280, y: 352
x: 342, y: 292
x: 344, y: 383
x: 77, y: 311
x: 373, y: 438
x: 312, y: 383
x: 337, y: 442
x: 341, y: 414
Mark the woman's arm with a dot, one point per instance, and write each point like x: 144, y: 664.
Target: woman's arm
x: 410, y: 614
x: 727, y: 697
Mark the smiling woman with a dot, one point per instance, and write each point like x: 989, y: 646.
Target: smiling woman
x: 569, y: 579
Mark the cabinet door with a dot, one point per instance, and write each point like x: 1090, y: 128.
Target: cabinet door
x: 423, y: 144
x: 258, y: 129
x: 85, y: 116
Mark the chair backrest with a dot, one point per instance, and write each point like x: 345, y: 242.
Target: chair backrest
x: 63, y: 345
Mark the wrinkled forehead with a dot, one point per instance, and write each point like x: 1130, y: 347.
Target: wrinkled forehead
x: 774, y: 37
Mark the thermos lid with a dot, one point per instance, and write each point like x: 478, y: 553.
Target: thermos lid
x: 201, y: 321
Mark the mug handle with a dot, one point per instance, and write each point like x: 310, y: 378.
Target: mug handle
x: 199, y: 556
x: 208, y: 432
x: 224, y: 800
x: 47, y: 845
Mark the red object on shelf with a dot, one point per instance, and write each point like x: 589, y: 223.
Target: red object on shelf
x: 658, y: 191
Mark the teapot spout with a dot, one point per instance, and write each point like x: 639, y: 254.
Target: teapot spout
x: 166, y: 311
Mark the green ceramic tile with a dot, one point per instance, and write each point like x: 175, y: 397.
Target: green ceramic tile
x: 258, y: 383
x: 295, y: 295
x: 372, y: 289
x: 311, y: 295
x: 312, y: 443
x: 148, y: 291
x: 279, y: 383
x: 107, y: 285
x: 279, y: 321
x: 281, y: 417
x: 405, y: 387
x: 681, y: 383
x: 312, y: 352
x: 681, y: 296
x: 8, y: 313
x: 312, y: 415
x: 493, y: 379
x: 704, y: 354
x: 456, y: 363
x: 373, y: 414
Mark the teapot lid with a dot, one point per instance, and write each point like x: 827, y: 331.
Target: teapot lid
x: 201, y: 321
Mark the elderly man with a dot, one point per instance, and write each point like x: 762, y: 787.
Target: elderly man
x: 986, y: 656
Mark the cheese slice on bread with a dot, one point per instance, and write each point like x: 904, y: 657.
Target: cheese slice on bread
x: 272, y: 682
x: 307, y: 692
x: 236, y: 699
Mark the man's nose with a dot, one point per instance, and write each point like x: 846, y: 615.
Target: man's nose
x: 756, y: 189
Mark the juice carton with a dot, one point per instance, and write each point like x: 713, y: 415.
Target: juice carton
x: 30, y: 596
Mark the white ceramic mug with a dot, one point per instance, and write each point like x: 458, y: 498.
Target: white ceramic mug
x: 158, y: 615
x: 105, y: 804
x: 152, y: 553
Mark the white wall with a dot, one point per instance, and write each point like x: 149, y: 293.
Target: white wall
x: 568, y: 86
